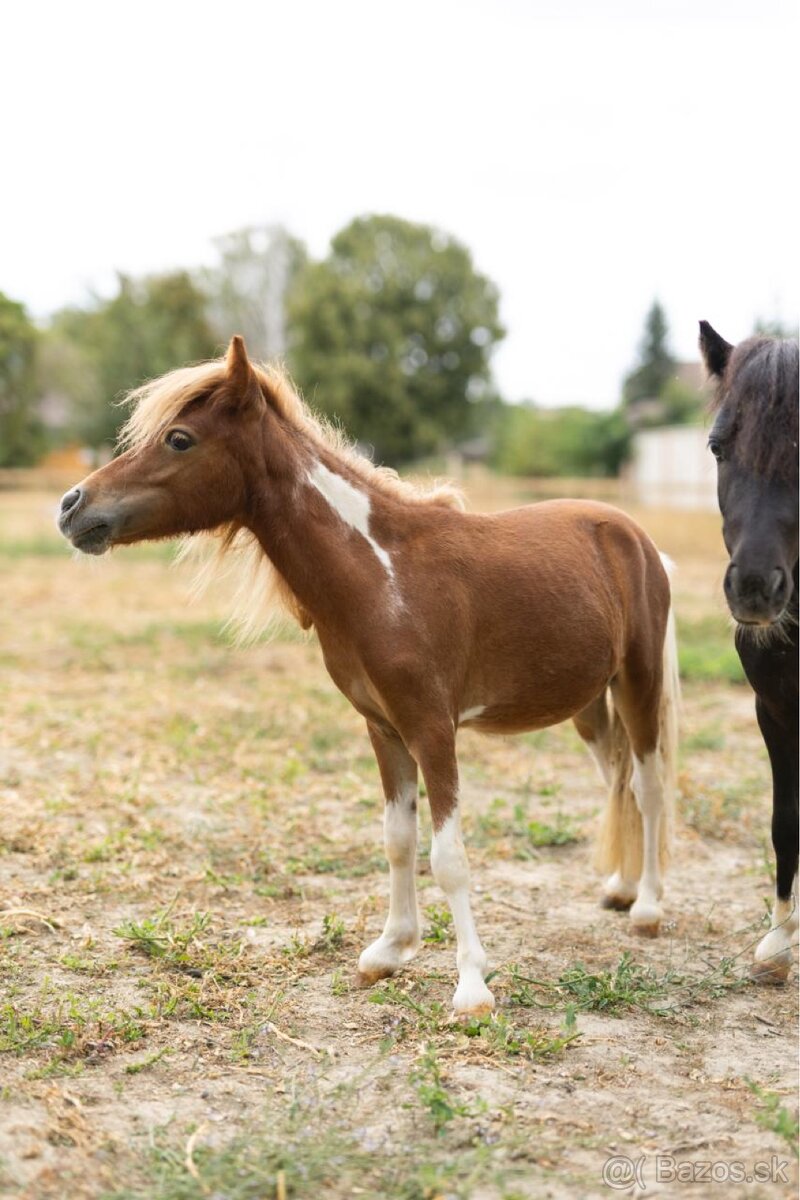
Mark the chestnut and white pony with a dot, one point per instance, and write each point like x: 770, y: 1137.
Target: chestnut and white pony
x: 429, y: 618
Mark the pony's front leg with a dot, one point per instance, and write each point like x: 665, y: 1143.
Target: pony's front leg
x: 400, y: 939
x: 773, y: 957
x: 437, y: 758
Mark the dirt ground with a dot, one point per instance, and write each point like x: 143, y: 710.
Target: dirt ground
x: 190, y: 862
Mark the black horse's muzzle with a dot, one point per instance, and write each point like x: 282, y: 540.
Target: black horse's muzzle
x: 757, y: 597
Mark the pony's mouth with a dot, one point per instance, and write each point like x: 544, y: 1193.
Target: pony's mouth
x: 95, y: 539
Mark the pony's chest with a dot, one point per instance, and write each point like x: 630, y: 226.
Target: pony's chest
x: 350, y: 676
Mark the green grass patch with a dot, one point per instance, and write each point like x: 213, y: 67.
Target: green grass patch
x: 324, y: 1147
x: 188, y: 946
x: 67, y: 1034
x: 706, y: 652
x: 525, y: 834
x: 44, y: 545
x: 617, y: 990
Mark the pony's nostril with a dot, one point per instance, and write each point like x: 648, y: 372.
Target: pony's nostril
x: 777, y: 583
x: 70, y: 500
x: 731, y: 579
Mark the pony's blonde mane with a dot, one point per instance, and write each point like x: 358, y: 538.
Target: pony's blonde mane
x: 260, y: 594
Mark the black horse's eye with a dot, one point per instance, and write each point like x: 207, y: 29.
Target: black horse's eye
x: 715, y: 446
x: 176, y: 439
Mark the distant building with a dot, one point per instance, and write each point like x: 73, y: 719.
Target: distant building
x: 672, y: 467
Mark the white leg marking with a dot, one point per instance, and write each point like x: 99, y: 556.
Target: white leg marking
x: 451, y: 872
x: 773, y: 957
x: 400, y: 939
x: 351, y: 505
x: 646, y: 912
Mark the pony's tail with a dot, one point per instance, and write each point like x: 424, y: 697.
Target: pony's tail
x: 668, y: 718
x: 620, y: 843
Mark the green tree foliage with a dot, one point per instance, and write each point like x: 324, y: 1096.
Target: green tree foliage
x: 562, y: 441
x: 656, y: 364
x: 392, y: 334
x: 776, y: 327
x: 150, y: 326
x: 680, y: 404
x: 21, y: 432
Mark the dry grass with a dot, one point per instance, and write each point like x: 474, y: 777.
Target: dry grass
x: 191, y: 863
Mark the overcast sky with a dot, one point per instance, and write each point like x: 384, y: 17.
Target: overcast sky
x: 591, y: 153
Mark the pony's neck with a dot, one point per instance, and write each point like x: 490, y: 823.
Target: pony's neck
x: 324, y: 529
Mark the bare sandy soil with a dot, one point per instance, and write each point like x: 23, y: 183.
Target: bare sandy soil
x: 191, y: 861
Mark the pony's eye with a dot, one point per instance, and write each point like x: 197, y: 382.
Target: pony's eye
x: 176, y: 439
x: 715, y: 447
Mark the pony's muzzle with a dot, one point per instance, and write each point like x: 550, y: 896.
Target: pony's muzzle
x: 754, y: 597
x: 88, y: 531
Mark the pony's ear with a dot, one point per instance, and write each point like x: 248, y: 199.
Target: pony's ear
x: 244, y: 386
x: 714, y: 349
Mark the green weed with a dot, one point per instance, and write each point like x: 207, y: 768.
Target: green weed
x: 440, y: 924
x: 775, y: 1116
x: 440, y: 1104
x: 429, y: 1018
x: 496, y: 1033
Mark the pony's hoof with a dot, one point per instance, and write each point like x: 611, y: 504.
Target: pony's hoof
x: 646, y: 919
x: 772, y: 971
x: 472, y: 999
x: 384, y: 957
x: 618, y: 893
x: 367, y: 979
x: 649, y: 930
x: 462, y: 1016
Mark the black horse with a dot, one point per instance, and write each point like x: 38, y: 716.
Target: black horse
x: 754, y: 440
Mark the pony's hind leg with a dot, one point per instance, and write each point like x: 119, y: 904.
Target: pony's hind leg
x: 648, y: 714
x: 596, y: 728
x: 773, y: 957
x: 648, y: 788
x: 400, y: 939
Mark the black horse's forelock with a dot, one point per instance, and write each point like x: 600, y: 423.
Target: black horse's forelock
x: 758, y: 397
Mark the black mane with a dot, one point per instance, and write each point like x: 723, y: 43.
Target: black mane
x: 757, y: 401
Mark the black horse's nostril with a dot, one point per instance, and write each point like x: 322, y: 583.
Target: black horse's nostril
x: 778, y: 584
x: 731, y: 580
x: 70, y: 501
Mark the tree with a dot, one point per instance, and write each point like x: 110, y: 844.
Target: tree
x: 151, y: 326
x: 21, y: 430
x: 775, y: 327
x: 656, y: 363
x: 560, y: 441
x: 246, y: 292
x: 392, y: 334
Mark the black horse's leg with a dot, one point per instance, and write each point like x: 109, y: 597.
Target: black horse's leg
x: 773, y: 957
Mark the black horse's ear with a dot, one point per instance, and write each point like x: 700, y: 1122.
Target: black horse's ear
x: 714, y: 349
x: 241, y: 376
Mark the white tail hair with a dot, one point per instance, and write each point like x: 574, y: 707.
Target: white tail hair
x: 620, y: 843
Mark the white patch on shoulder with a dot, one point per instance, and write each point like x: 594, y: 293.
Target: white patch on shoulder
x: 469, y: 714
x: 351, y: 505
